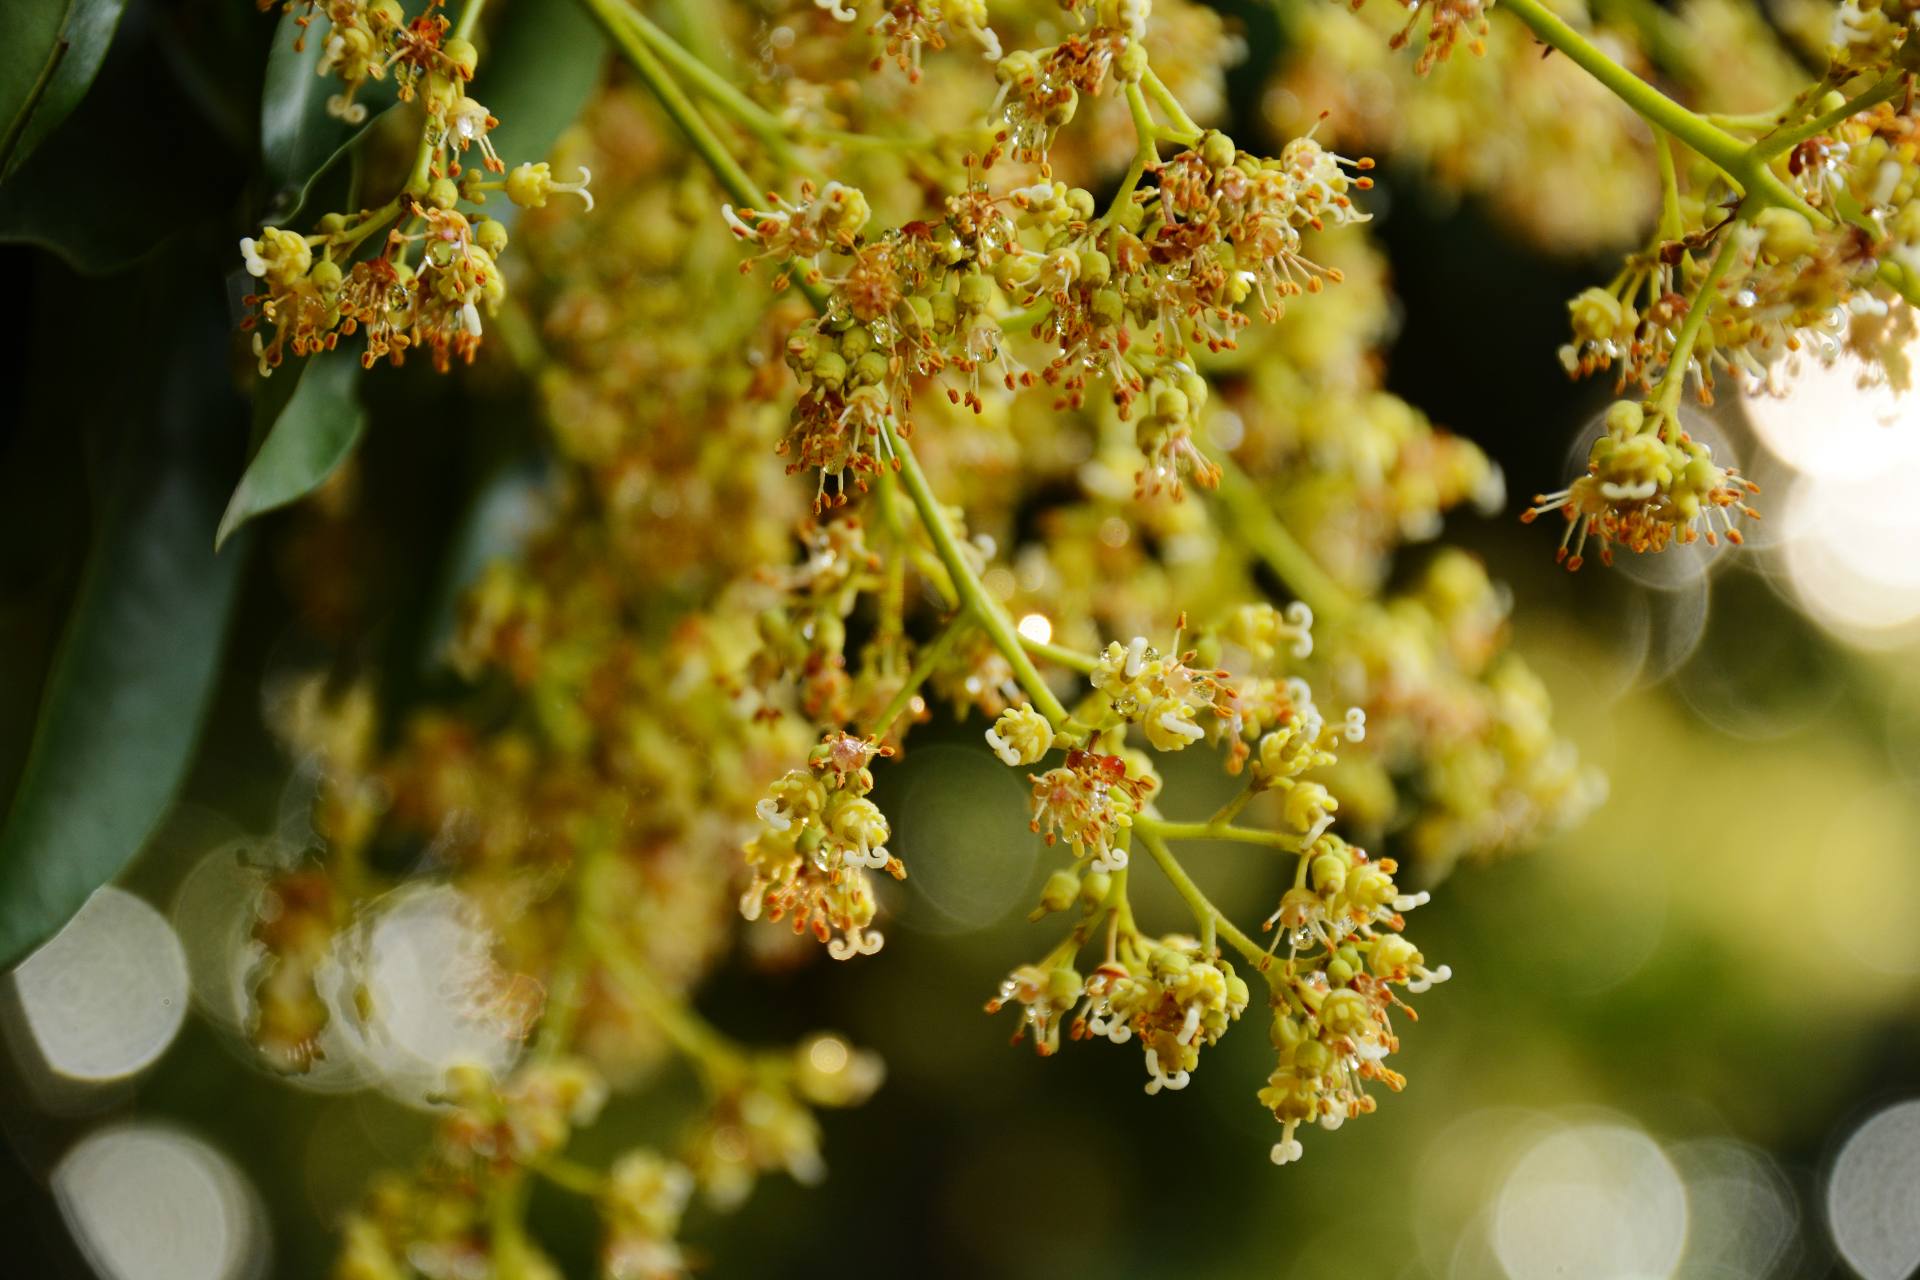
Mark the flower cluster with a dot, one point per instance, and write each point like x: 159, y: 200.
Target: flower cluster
x: 371, y: 39
x: 1334, y: 993
x: 1090, y: 801
x: 1649, y: 485
x: 436, y: 267
x: 1129, y: 296
x: 1003, y: 388
x: 818, y: 838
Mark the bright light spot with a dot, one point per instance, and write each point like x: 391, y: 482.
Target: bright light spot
x: 1226, y: 429
x: 1848, y: 525
x: 1849, y: 550
x: 106, y: 995
x: 416, y: 991
x: 828, y: 1055
x: 145, y: 1202
x: 1741, y: 1215
x: 1830, y: 425
x: 1037, y: 627
x: 1873, y: 1195
x: 1598, y: 1200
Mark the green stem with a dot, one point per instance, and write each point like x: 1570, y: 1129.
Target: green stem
x: 1785, y: 141
x: 1670, y: 224
x: 1718, y: 146
x: 974, y: 596
x: 930, y: 657
x: 571, y: 1175
x: 716, y: 1056
x: 1060, y: 655
x: 1164, y: 99
x: 565, y: 986
x: 612, y: 15
x: 1204, y: 912
x: 718, y: 90
x: 1273, y: 544
x: 469, y: 19
x: 1145, y: 153
x: 1213, y: 829
x: 1667, y: 395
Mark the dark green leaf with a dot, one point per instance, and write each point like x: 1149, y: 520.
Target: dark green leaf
x: 74, y: 196
x: 299, y: 138
x: 540, y: 67
x: 36, y: 98
x: 306, y: 442
x: 138, y: 655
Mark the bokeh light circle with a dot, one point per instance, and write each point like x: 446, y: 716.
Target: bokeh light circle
x: 1873, y: 1195
x: 104, y: 997
x: 1591, y: 1202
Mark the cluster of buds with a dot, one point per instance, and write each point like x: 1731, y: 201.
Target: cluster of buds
x: 762, y: 1122
x: 434, y: 1220
x: 521, y: 1120
x: 1649, y: 485
x: 818, y: 838
x: 1091, y: 800
x: 370, y: 39
x: 640, y: 1210
x: 1447, y: 22
x: 1163, y: 694
x: 1173, y: 997
x: 1461, y: 758
x: 804, y: 636
x: 436, y: 267
x: 1334, y: 992
x: 1127, y: 296
x: 908, y: 28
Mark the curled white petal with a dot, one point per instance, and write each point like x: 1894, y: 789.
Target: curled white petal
x: 1002, y: 748
x: 1175, y: 723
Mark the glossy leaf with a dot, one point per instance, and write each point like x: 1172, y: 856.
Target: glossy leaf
x: 138, y: 655
x: 50, y: 51
x: 305, y: 442
x: 72, y: 195
x: 299, y: 138
x: 538, y: 70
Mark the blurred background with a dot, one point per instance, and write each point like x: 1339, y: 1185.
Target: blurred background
x: 1682, y: 1040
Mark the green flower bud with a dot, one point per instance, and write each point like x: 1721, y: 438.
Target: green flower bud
x: 976, y: 292
x: 1217, y: 149
x: 1329, y: 872
x: 462, y: 55
x: 1061, y: 889
x: 443, y: 194
x: 1313, y: 1059
x: 830, y: 369
x: 1064, y: 985
x: 856, y: 342
x: 1624, y: 419
x: 870, y: 369
x: 490, y: 234
x: 326, y: 277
